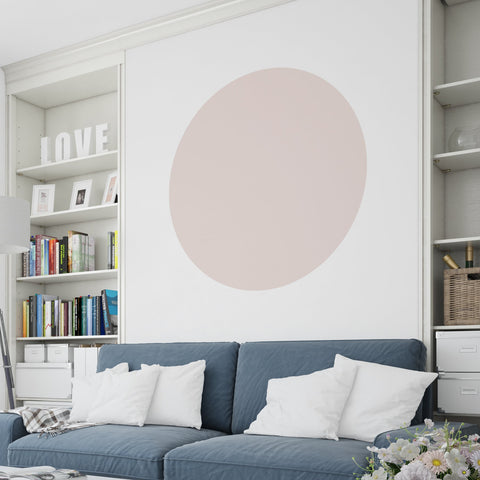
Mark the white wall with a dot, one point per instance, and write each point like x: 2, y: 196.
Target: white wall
x: 369, y: 287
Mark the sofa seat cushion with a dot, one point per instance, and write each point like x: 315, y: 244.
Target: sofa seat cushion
x: 117, y: 450
x: 251, y: 457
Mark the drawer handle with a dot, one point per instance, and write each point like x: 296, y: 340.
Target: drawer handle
x: 468, y: 391
x: 468, y: 349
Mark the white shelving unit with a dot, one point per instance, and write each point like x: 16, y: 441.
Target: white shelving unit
x: 72, y: 168
x: 85, y: 95
x: 451, y: 179
x: 88, y: 214
x: 109, y: 274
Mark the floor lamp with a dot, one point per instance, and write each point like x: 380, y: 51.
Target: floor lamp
x: 14, y: 238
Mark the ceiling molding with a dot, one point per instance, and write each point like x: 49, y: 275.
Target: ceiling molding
x: 186, y: 20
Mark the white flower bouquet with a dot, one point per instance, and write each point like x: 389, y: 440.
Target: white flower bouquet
x: 431, y: 454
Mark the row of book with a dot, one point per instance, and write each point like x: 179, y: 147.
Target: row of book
x: 48, y: 255
x: 49, y: 316
x: 112, y: 259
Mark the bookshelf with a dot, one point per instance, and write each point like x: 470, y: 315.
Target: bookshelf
x: 59, y: 105
x: 451, y: 178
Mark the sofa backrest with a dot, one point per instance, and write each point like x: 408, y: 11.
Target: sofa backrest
x: 260, y: 361
x: 221, y: 360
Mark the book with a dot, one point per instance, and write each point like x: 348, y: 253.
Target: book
x: 40, y: 319
x: 110, y: 307
x: 63, y: 255
x: 107, y: 326
x: 47, y: 318
x: 70, y: 235
x: 91, y: 254
x: 33, y: 315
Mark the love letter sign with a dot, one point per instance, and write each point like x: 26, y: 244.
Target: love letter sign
x: 82, y: 144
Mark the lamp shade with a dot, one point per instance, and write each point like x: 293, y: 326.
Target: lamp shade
x: 14, y: 225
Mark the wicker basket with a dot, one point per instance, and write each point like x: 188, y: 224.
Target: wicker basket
x: 461, y: 296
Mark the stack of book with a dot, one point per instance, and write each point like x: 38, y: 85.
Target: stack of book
x: 48, y: 255
x: 48, y: 316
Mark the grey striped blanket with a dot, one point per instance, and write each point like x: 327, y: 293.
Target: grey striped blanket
x: 47, y: 421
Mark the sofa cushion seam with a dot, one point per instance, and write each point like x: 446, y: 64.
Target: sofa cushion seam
x: 265, y: 467
x: 76, y: 452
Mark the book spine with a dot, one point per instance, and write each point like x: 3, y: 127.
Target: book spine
x: 47, y: 315
x: 70, y: 318
x: 57, y: 257
x: 24, y: 319
x: 56, y: 318
x: 38, y: 257
x: 91, y: 254
x: 83, y: 319
x: 33, y: 316
x: 39, y: 315
x: 106, y: 320
x: 76, y: 253
x: 116, y: 249
x: 89, y: 320
x: 63, y: 255
x: 32, y: 258
x: 98, y: 315
x: 109, y: 251
x: 51, y: 256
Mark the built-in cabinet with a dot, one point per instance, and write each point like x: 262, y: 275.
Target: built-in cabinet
x: 73, y: 99
x: 451, y: 193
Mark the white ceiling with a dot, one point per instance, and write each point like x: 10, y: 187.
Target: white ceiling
x: 32, y: 27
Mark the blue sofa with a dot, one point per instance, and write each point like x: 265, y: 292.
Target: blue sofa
x: 235, y: 388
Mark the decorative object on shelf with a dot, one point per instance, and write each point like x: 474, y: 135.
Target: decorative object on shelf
x: 428, y: 454
x: 464, y: 138
x: 82, y: 144
x: 14, y: 238
x: 450, y: 261
x: 469, y: 255
x: 461, y: 296
x: 111, y: 187
x: 81, y: 194
x: 43, y: 197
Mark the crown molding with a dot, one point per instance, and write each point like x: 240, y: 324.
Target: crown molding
x: 208, y: 13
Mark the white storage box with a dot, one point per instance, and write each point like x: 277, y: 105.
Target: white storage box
x: 458, y: 351
x: 43, y: 380
x: 459, y: 393
x: 59, y: 353
x: 34, y: 353
x: 85, y: 361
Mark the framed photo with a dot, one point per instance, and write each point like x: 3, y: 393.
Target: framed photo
x: 81, y: 194
x: 111, y: 189
x: 43, y: 199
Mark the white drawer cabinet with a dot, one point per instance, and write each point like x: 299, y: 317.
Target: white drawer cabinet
x: 43, y: 380
x: 459, y: 393
x: 458, y: 351
x: 458, y: 364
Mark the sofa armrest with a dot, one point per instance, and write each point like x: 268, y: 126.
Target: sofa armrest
x: 382, y: 440
x: 11, y: 428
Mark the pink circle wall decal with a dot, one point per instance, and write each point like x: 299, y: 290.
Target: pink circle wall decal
x: 267, y: 179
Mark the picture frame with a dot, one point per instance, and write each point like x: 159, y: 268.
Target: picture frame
x: 43, y: 198
x: 81, y: 194
x: 111, y: 189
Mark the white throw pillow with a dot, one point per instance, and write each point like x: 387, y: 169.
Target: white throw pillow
x: 383, y: 398
x: 306, y: 405
x: 177, y: 399
x: 84, y: 390
x: 124, y: 399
